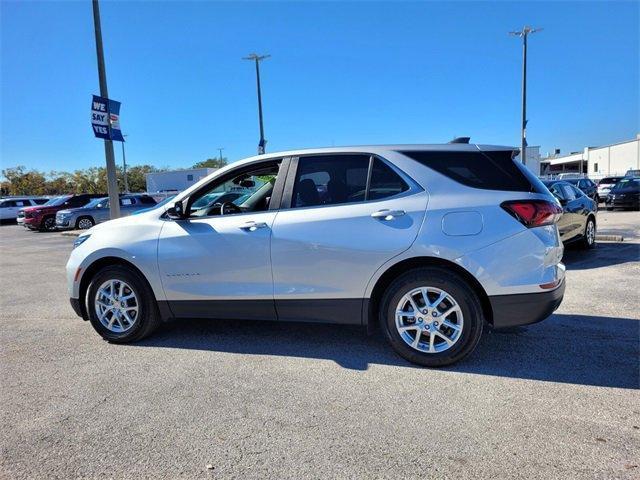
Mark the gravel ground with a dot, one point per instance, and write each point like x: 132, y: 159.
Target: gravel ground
x: 559, y: 399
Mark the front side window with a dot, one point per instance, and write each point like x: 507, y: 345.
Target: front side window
x: 340, y: 179
x: 247, y: 190
x: 569, y: 193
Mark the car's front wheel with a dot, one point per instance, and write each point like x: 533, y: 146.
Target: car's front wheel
x: 431, y: 317
x: 84, y: 223
x: 121, y: 305
x: 48, y: 224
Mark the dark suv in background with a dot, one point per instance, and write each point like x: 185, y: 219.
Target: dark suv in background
x: 43, y: 217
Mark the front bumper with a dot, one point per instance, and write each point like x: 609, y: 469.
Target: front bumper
x: 525, y: 308
x: 75, y: 304
x: 63, y: 223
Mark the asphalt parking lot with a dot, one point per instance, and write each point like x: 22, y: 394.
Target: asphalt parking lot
x: 559, y: 399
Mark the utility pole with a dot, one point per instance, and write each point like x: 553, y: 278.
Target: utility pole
x: 257, y: 59
x: 524, y: 33
x: 112, y: 183
x: 124, y: 167
x: 220, y: 150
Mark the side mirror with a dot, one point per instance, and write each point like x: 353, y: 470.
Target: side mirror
x: 176, y: 212
x: 247, y: 183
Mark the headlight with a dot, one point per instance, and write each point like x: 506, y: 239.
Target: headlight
x: 80, y: 240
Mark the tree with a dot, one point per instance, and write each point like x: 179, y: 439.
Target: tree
x: 21, y: 182
x: 211, y: 163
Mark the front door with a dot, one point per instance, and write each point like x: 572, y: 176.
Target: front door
x: 348, y: 215
x: 216, y: 263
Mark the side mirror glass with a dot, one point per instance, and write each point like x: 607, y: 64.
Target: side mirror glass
x: 247, y: 183
x: 176, y: 212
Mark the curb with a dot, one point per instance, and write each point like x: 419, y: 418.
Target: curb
x: 609, y: 238
x: 70, y: 234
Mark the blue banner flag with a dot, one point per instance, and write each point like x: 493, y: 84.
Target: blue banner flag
x: 105, y: 119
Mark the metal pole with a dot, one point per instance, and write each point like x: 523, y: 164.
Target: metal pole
x: 220, y: 150
x: 112, y: 183
x: 523, y: 149
x: 257, y: 58
x: 524, y: 33
x: 124, y: 168
x: 261, y: 144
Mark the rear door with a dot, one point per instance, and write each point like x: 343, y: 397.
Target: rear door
x: 343, y: 216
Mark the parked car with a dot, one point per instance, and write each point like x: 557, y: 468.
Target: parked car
x: 9, y: 207
x: 98, y: 211
x: 43, y: 217
x: 632, y: 173
x: 587, y: 185
x: 578, y: 221
x: 431, y: 242
x: 20, y: 219
x: 625, y: 194
x: 157, y: 205
x: 605, y: 185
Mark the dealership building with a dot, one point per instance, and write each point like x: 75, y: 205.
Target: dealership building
x: 596, y: 162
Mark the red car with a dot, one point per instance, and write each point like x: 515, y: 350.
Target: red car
x: 43, y: 217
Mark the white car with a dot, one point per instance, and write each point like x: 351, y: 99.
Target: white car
x: 430, y: 242
x: 9, y: 207
x: 605, y: 185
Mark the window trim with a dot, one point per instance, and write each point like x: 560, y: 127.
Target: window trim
x: 287, y: 198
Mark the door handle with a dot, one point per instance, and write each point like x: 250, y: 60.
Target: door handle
x: 252, y: 226
x: 388, y: 214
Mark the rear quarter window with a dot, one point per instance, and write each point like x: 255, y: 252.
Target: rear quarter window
x: 485, y: 170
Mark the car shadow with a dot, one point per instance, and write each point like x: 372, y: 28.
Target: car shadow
x: 576, y: 349
x: 603, y: 255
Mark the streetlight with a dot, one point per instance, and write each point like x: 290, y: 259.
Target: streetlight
x: 524, y: 33
x: 124, y: 168
x: 257, y: 59
x: 220, y: 150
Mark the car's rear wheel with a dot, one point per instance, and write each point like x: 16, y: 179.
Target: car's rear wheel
x: 48, y: 224
x: 589, y: 237
x: 121, y: 305
x: 84, y: 223
x: 431, y: 317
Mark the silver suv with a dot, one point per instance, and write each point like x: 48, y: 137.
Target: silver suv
x: 430, y: 242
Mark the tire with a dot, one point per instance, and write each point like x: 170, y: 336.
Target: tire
x: 589, y: 236
x: 85, y: 223
x: 469, y: 316
x: 146, y: 319
x: 48, y: 224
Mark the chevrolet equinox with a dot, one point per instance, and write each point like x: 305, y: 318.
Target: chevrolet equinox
x: 430, y: 242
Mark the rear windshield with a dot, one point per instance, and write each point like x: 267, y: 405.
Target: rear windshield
x: 486, y: 170
x: 610, y: 180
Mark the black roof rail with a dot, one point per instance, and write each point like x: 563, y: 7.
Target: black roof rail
x: 460, y: 140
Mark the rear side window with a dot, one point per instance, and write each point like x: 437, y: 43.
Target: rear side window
x: 485, y: 170
x: 40, y: 201
x: 384, y: 181
x: 338, y: 179
x: 126, y: 201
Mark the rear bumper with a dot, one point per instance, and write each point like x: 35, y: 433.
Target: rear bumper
x: 525, y: 308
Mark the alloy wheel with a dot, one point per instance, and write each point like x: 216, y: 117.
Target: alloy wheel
x: 591, y: 232
x: 116, y: 306
x: 429, y: 319
x: 84, y: 224
x: 50, y: 223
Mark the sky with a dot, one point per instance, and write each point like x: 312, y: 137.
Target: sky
x: 339, y: 74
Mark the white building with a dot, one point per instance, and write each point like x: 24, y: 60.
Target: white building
x: 533, y: 159
x: 175, y: 180
x: 598, y: 162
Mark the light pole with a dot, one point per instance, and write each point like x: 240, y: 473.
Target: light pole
x: 112, y: 183
x: 124, y: 168
x: 257, y: 59
x: 220, y: 150
x: 524, y: 33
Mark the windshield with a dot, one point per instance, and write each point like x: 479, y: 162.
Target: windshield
x: 608, y: 180
x: 57, y: 201
x: 93, y: 203
x: 627, y: 183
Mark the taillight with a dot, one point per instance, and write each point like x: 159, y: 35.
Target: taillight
x: 533, y: 213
